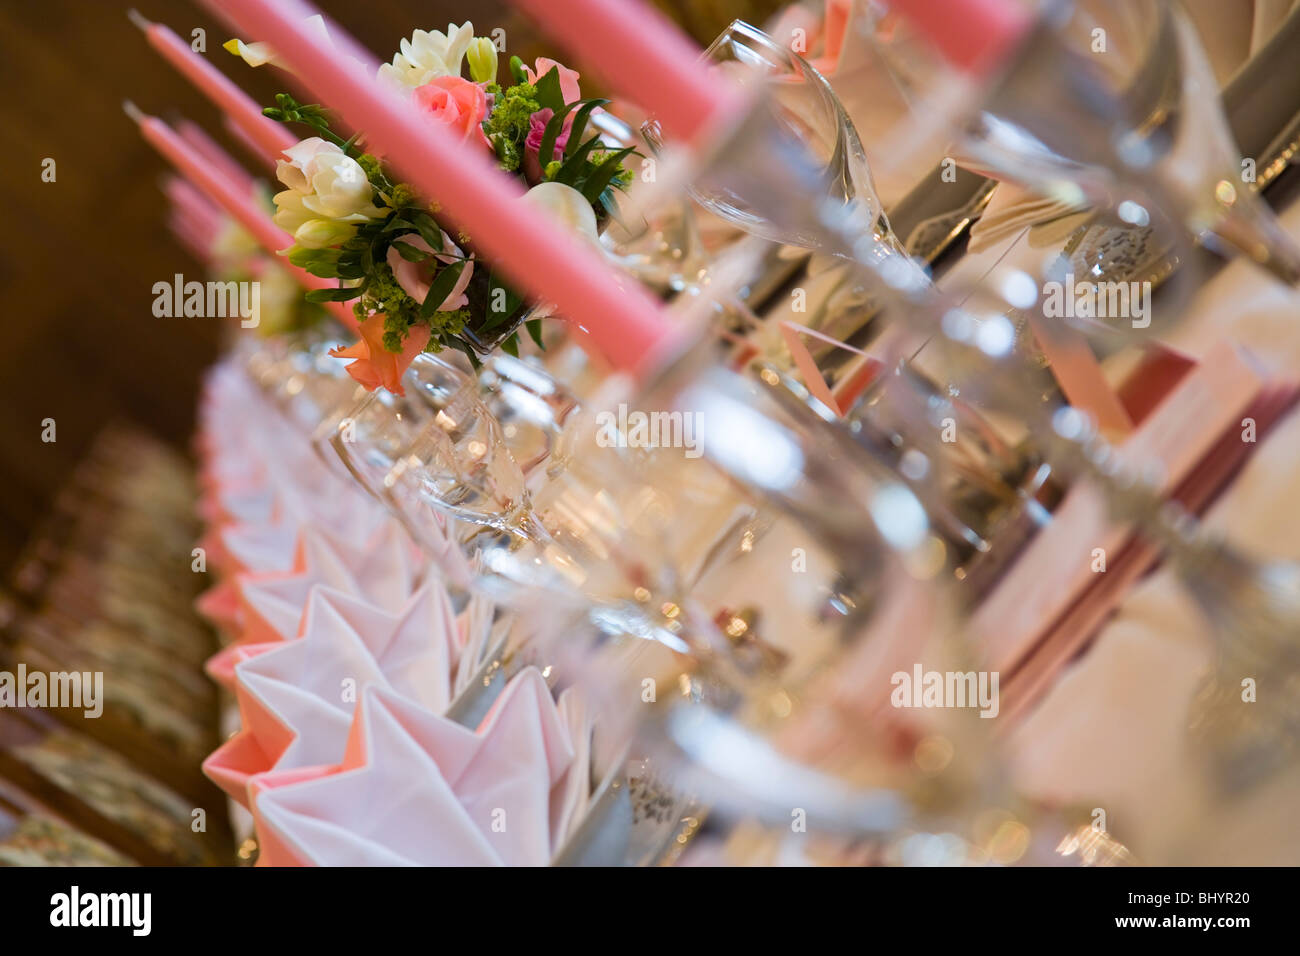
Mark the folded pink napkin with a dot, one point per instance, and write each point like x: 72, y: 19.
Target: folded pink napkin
x: 266, y: 498
x: 413, y: 788
x: 296, y: 697
x: 382, y: 571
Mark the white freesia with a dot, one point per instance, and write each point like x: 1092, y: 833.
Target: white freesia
x: 483, y: 59
x: 428, y: 55
x: 260, y: 54
x: 328, y: 190
x: 323, y: 233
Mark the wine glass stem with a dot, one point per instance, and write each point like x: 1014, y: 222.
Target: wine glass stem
x: 524, y: 522
x: 1260, y: 237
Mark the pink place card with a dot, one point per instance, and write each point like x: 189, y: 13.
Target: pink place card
x: 1082, y: 621
x: 1056, y: 568
x: 1079, y: 374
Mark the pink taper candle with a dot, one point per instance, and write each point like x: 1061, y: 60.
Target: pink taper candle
x: 644, y: 55
x: 619, y: 318
x: 270, y: 136
x: 973, y: 35
x: 191, y: 237
x: 251, y: 145
x: 241, y: 206
x: 193, y: 205
x: 208, y: 148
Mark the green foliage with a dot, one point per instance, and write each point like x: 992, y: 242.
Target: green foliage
x: 508, y: 124
x: 440, y: 288
x: 549, y: 94
x: 361, y: 262
x: 517, y: 70
x: 288, y: 110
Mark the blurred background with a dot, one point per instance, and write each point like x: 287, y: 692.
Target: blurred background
x: 80, y: 255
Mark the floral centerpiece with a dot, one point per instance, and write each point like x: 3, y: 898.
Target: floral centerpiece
x: 416, y: 286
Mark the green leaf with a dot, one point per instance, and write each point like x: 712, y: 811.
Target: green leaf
x: 511, y: 345
x: 580, y: 124
x: 429, y: 230
x: 319, y: 262
x: 534, y: 327
x: 475, y: 362
x: 333, y: 295
x: 409, y: 252
x: 441, y: 287
x: 555, y: 126
x: 302, y: 256
x: 576, y: 164
x: 548, y: 90
x: 597, y: 181
x: 397, y: 222
x: 512, y: 301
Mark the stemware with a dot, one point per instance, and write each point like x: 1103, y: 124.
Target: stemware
x: 785, y: 184
x: 532, y: 408
x: 438, y: 435
x: 1081, y: 125
x: 808, y: 112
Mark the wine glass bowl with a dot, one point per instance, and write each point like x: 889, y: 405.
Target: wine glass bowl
x: 1080, y: 125
x: 804, y: 127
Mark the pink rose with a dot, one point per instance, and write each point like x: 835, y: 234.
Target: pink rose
x: 533, y: 144
x: 568, y: 78
x: 416, y: 277
x: 456, y: 103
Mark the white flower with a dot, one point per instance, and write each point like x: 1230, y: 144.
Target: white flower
x: 323, y: 233
x: 259, y: 54
x: 568, y: 206
x: 572, y: 211
x: 429, y: 55
x: 328, y: 190
x: 483, y: 58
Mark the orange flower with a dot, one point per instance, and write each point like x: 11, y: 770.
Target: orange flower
x: 454, y: 102
x: 375, y: 366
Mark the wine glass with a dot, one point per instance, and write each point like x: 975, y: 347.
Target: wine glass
x: 981, y: 335
x: 808, y: 113
x: 1075, y: 123
x: 530, y: 405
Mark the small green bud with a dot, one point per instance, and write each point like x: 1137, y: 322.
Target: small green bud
x: 322, y: 233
